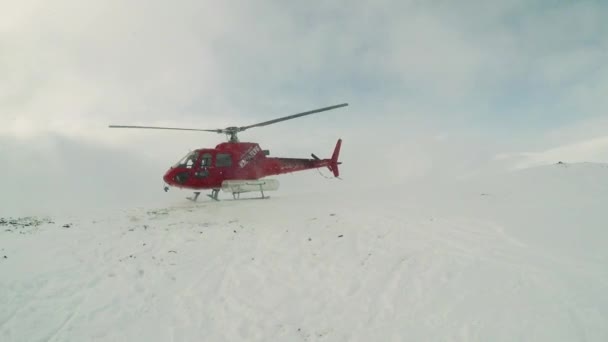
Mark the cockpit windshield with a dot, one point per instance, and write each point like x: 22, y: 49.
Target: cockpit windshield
x: 188, y: 161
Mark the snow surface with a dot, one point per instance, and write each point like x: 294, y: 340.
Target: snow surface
x: 520, y: 257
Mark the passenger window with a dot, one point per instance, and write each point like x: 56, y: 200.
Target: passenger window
x: 206, y: 160
x: 223, y: 160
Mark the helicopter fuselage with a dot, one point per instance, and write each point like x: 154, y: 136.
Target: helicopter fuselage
x: 209, y: 168
x: 237, y: 166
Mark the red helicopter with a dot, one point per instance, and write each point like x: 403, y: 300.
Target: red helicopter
x: 239, y: 167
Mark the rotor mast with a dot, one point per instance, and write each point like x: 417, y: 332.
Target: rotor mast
x: 231, y: 134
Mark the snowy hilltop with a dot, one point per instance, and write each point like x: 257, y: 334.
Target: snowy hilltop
x: 515, y: 257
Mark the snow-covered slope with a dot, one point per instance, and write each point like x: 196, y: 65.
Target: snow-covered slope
x: 521, y: 257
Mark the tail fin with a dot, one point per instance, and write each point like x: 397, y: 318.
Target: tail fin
x: 333, y: 164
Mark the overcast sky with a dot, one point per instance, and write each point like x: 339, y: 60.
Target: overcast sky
x: 434, y: 87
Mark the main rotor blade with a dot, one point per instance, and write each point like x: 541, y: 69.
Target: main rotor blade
x: 171, y: 128
x: 289, y: 117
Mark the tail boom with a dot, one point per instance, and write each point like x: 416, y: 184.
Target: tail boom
x: 288, y: 165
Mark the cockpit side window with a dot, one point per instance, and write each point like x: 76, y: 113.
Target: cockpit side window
x: 188, y: 161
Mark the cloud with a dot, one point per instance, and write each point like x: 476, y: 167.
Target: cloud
x: 435, y: 87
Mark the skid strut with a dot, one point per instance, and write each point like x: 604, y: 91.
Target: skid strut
x: 196, y: 194
x: 214, y: 194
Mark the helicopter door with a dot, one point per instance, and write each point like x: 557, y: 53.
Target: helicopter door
x: 204, y: 165
x: 188, y: 162
x: 223, y: 162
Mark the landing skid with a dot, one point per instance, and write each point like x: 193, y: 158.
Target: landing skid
x: 214, y: 195
x: 249, y: 198
x: 235, y: 195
